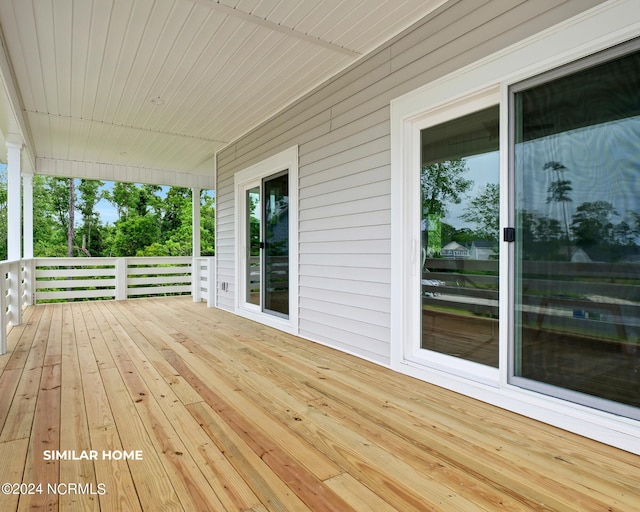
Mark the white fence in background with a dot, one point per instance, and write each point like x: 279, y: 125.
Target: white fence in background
x: 72, y: 279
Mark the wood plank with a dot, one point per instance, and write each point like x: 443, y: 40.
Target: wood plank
x: 289, y: 399
x: 74, y: 430
x: 14, y: 336
x: 20, y: 419
x: 262, y: 404
x: 235, y: 388
x: 228, y: 486
x: 192, y: 489
x: 358, y: 495
x: 516, y: 438
x: 307, y: 487
x: 153, y: 484
x: 13, y: 455
x: 103, y: 433
x: 357, y: 383
x: 44, y: 436
x: 469, y: 450
x: 265, y: 482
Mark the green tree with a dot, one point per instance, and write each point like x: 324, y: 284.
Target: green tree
x: 124, y: 196
x: 207, y: 224
x: 49, y: 233
x: 443, y: 183
x: 133, y: 234
x: 58, y: 202
x: 484, y: 211
x: 592, y: 225
x: 558, y: 191
x: 174, y: 208
x: 148, y: 200
x: 90, y: 194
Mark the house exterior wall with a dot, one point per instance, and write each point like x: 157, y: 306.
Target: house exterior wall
x: 342, y: 130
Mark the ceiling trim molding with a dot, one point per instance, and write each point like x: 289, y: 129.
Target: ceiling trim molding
x: 257, y: 20
x: 113, y: 172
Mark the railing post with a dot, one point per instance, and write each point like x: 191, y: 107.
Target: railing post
x: 15, y: 302
x: 211, y: 282
x: 196, y: 279
x: 121, y: 278
x: 27, y: 293
x: 32, y: 265
x: 3, y: 310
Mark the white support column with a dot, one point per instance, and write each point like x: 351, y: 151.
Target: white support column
x: 14, y: 202
x: 195, y: 222
x: 27, y: 215
x: 195, y: 244
x: 26, y: 295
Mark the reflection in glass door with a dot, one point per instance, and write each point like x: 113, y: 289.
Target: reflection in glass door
x: 276, y: 244
x: 459, y: 182
x: 253, y: 214
x: 267, y: 245
x: 577, y: 211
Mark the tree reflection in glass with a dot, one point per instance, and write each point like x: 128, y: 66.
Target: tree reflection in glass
x: 577, y: 204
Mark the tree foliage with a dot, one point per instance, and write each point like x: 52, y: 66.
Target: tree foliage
x: 150, y: 220
x: 442, y: 183
x: 484, y: 211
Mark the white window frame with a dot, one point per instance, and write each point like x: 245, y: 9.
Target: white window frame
x: 454, y: 95
x: 285, y: 160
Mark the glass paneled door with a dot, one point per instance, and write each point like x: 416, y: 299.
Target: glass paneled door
x: 267, y: 245
x: 276, y: 244
x: 459, y: 202
x: 576, y: 171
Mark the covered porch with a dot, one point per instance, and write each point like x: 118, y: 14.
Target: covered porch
x: 216, y: 412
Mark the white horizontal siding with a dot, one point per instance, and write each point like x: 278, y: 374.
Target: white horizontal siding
x: 359, y: 299
x: 333, y: 284
x: 343, y: 132
x: 356, y: 206
x: 364, y: 191
x: 322, y: 328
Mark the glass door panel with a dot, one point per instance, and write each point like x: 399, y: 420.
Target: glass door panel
x: 577, y: 252
x: 459, y: 182
x: 276, y: 244
x: 253, y: 266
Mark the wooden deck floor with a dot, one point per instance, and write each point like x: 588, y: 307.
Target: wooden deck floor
x: 233, y: 416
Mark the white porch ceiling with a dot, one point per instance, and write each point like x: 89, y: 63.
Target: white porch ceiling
x: 164, y: 84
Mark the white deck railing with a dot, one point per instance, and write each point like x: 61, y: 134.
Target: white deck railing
x: 71, y: 279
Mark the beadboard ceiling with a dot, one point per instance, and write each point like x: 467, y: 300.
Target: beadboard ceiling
x: 164, y: 84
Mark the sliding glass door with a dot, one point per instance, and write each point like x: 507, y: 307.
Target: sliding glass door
x: 266, y: 261
x: 576, y: 170
x: 275, y: 231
